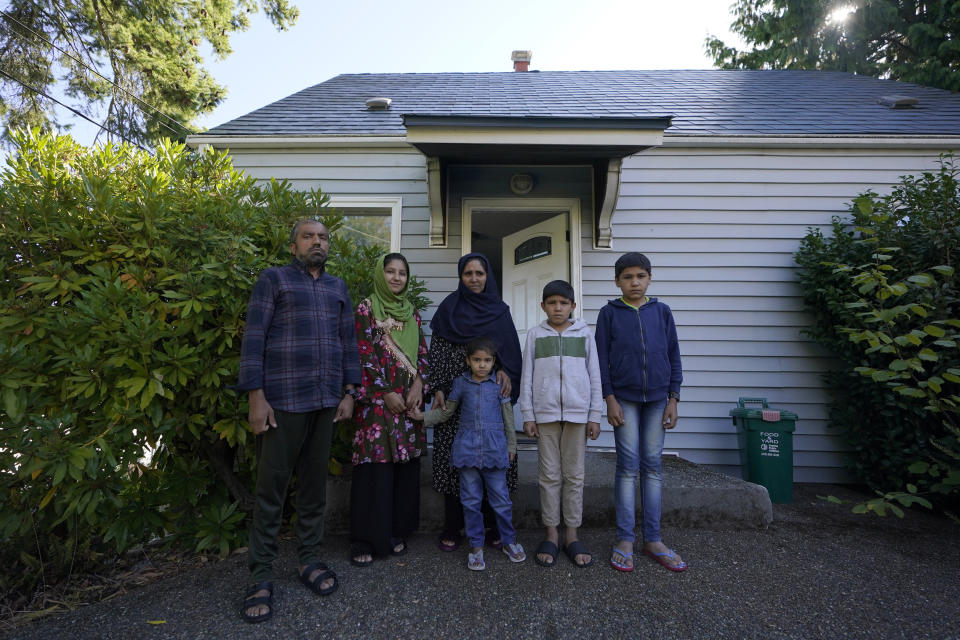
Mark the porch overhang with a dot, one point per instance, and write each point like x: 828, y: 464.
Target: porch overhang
x: 599, y: 142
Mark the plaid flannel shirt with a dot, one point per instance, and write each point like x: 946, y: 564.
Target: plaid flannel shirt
x: 300, y: 343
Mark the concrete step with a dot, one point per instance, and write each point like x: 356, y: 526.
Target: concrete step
x: 692, y: 496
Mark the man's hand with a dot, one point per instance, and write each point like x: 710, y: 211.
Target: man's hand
x: 344, y: 409
x: 530, y: 428
x: 261, y: 415
x: 505, y: 385
x: 614, y: 411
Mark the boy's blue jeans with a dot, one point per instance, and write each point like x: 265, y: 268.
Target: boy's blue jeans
x: 472, y: 481
x: 639, y: 450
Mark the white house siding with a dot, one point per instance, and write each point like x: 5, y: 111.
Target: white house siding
x: 720, y: 225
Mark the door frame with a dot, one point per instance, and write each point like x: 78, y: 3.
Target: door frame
x: 570, y: 205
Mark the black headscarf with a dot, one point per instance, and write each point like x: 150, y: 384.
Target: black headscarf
x: 464, y: 315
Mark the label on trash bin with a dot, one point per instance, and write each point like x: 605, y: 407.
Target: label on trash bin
x: 770, y: 444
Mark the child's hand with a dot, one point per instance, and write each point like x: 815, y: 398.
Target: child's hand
x: 513, y: 457
x: 415, y: 413
x: 593, y: 430
x: 670, y: 415
x: 530, y: 428
x: 614, y: 412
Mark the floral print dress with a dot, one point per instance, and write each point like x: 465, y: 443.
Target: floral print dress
x: 383, y: 436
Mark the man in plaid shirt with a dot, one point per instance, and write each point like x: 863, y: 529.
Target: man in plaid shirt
x: 299, y: 363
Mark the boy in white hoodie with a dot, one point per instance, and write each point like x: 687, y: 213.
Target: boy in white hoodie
x: 561, y: 404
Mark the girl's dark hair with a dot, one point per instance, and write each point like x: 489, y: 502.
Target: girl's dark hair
x: 631, y: 259
x: 482, y: 343
x: 390, y: 257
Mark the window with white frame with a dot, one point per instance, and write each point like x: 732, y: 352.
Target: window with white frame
x: 370, y: 219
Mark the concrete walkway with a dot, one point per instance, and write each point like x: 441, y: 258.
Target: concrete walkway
x: 692, y: 496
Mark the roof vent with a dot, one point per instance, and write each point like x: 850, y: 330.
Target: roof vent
x: 378, y: 104
x: 521, y: 60
x: 898, y: 102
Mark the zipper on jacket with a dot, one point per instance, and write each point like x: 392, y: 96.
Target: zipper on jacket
x: 560, y: 350
x: 643, y: 359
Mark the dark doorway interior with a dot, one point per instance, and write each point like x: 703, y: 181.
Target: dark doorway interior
x: 488, y: 229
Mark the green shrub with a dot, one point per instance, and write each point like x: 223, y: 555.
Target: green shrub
x: 125, y: 283
x: 883, y: 295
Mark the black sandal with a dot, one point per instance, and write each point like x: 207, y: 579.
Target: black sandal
x: 249, y: 601
x: 325, y: 574
x: 396, y: 542
x: 577, y: 548
x: 549, y: 549
x: 358, y: 549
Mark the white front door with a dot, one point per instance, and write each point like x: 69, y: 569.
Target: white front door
x: 532, y: 257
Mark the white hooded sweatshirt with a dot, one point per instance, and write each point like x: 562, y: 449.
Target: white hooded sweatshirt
x: 561, y: 375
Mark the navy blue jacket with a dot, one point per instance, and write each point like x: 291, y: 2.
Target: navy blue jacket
x: 638, y: 351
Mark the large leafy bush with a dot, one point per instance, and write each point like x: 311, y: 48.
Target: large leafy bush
x: 882, y: 291
x: 124, y: 288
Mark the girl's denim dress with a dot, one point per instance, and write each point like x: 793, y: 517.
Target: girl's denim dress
x: 480, y: 441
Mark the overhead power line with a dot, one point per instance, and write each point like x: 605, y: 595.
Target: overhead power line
x: 135, y: 97
x: 66, y: 106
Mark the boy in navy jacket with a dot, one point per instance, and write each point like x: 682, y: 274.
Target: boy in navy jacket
x: 640, y: 376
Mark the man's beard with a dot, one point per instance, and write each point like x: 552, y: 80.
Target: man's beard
x: 314, y: 259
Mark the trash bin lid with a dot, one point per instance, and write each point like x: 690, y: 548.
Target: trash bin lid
x: 762, y: 413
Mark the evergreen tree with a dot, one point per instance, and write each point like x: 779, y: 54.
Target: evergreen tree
x: 911, y: 40
x: 134, y: 66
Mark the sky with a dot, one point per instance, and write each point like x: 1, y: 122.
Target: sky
x: 331, y: 38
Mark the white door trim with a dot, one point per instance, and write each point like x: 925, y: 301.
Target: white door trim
x: 570, y: 205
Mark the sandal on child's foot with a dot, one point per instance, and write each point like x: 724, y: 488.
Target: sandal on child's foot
x: 667, y: 559
x: 619, y: 559
x: 475, y: 561
x: 515, y: 552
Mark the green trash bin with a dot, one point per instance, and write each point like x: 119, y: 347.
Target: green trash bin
x: 765, y: 437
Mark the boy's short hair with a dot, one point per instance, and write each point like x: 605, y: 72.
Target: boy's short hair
x: 482, y: 343
x: 631, y: 259
x: 558, y: 288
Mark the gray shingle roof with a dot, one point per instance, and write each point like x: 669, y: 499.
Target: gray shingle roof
x: 703, y: 102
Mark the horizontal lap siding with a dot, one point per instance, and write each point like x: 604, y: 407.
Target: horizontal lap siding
x: 721, y: 227
x: 362, y: 172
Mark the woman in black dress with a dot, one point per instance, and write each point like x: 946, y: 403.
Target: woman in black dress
x: 474, y: 309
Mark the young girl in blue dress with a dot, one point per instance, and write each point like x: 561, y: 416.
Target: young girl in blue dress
x: 483, y: 449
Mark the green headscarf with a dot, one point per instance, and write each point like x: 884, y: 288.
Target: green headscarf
x: 387, y: 304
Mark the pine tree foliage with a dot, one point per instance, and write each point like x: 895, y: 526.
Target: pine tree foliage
x: 909, y: 40
x: 134, y: 66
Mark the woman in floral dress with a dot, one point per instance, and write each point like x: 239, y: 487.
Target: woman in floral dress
x: 475, y: 309
x: 385, y: 489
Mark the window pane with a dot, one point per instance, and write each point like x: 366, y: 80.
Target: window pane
x: 367, y: 229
